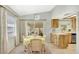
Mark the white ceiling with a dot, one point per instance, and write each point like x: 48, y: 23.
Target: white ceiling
x: 31, y: 9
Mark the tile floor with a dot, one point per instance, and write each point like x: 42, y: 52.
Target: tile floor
x: 50, y: 49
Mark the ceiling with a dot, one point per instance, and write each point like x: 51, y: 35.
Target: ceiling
x: 30, y: 9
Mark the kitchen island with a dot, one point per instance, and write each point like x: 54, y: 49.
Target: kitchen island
x: 61, y: 40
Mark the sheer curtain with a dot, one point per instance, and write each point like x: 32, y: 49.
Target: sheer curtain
x: 11, y: 31
x: 0, y: 29
x: 8, y: 31
x: 3, y: 39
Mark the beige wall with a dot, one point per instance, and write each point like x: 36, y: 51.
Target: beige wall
x: 22, y: 30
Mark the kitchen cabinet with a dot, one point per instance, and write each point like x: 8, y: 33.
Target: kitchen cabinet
x: 60, y: 40
x: 63, y: 41
x: 73, y: 21
x: 69, y: 37
x: 55, y: 23
x: 53, y: 38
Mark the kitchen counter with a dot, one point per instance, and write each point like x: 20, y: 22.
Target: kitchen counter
x: 61, y: 33
x: 60, y: 39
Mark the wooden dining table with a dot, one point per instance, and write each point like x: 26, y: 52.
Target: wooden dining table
x: 27, y: 41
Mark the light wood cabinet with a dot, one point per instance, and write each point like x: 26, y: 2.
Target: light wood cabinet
x: 73, y: 21
x: 69, y: 38
x: 63, y: 41
x: 53, y: 38
x: 54, y: 23
x: 60, y: 40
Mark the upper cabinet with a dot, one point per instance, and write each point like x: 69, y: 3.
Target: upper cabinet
x: 73, y: 21
x: 55, y: 23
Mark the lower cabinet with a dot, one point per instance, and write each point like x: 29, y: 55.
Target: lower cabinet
x: 60, y: 40
x: 53, y: 38
x: 69, y: 38
x: 63, y: 41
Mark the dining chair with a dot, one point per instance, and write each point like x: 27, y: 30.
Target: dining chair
x: 36, y: 46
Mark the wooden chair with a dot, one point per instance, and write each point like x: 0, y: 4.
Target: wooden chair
x: 36, y: 46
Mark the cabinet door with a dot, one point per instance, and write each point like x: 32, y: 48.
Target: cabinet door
x: 73, y: 20
x: 53, y: 38
x: 63, y: 41
x: 61, y: 37
x: 54, y: 23
x: 69, y: 38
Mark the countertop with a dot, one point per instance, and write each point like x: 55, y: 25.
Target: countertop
x: 62, y: 33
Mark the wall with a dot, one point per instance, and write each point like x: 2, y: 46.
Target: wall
x: 22, y: 30
x: 47, y: 17
x: 17, y: 31
x: 77, y: 50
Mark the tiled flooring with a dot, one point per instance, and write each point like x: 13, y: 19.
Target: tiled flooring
x: 71, y: 49
x: 50, y: 49
x: 18, y: 50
